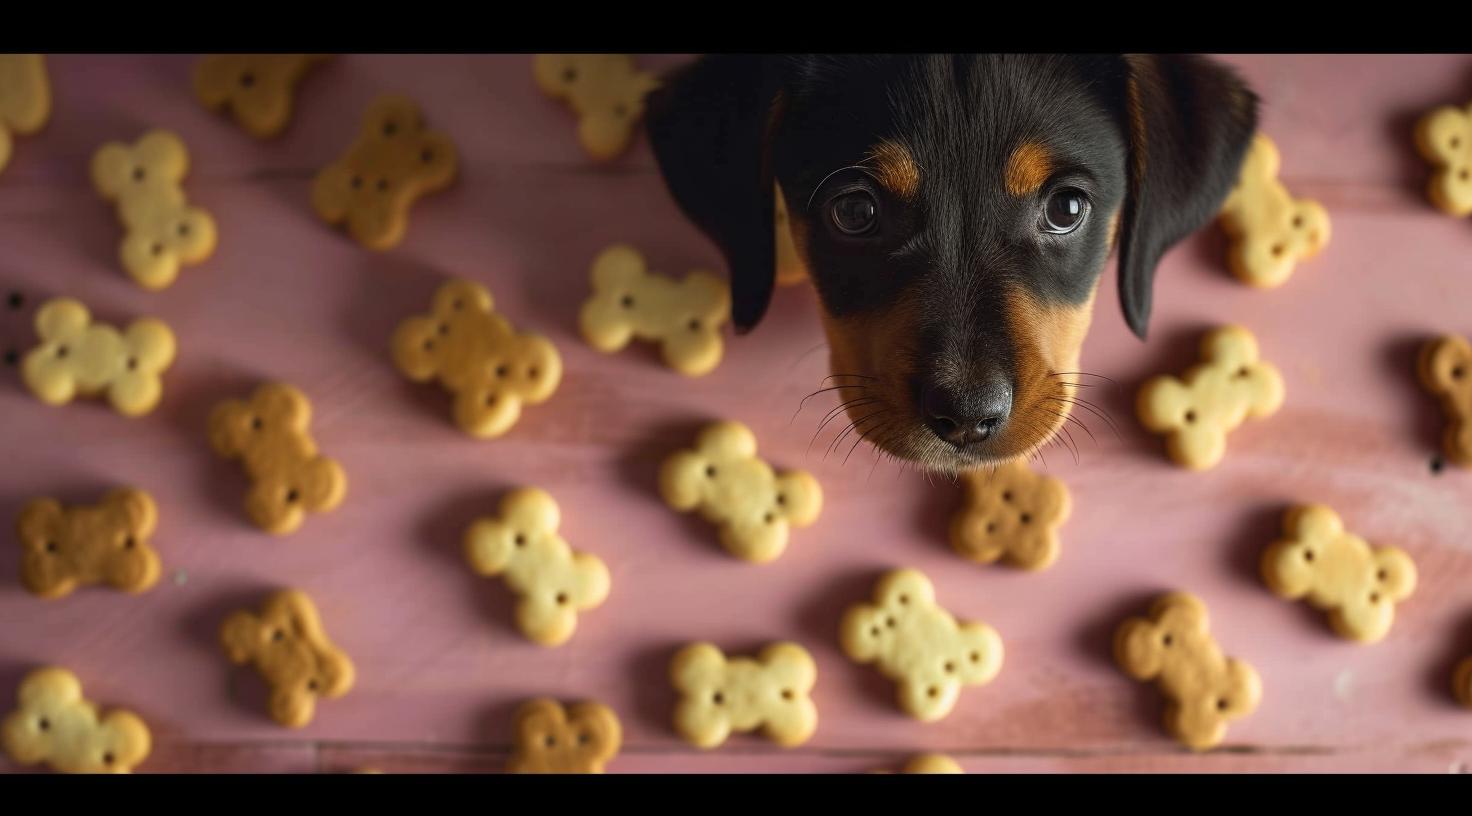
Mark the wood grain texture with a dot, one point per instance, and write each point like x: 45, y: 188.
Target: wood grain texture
x: 441, y: 665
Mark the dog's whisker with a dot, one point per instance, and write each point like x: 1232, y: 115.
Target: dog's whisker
x: 851, y: 427
x: 858, y: 402
x: 855, y: 376
x: 1088, y: 406
x: 804, y: 401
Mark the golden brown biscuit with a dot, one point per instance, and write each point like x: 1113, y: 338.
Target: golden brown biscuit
x: 291, y: 651
x: 1444, y: 138
x: 578, y: 739
x: 1010, y: 512
x: 25, y: 98
x: 106, y: 543
x: 1445, y: 369
x: 256, y: 89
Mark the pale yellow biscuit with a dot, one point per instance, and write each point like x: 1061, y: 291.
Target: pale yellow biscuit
x: 256, y: 89
x: 1010, y: 513
x: 1444, y: 137
x: 287, y: 645
x: 550, y: 738
x: 1271, y: 231
x: 1445, y: 369
x: 1204, y: 689
x: 722, y: 479
x: 606, y: 91
x: 629, y: 302
x: 80, y: 357
x: 55, y: 725
x: 1229, y: 385
x: 491, y: 369
x: 1335, y: 570
x: 64, y: 547
x: 915, y: 642
x: 719, y: 695
x: 25, y: 98
x: 553, y: 582
x: 163, y: 232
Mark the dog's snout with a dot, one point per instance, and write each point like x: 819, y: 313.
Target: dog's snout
x: 965, y: 416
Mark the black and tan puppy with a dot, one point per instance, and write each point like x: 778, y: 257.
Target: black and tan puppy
x: 954, y: 213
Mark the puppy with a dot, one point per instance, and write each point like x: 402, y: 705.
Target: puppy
x: 954, y: 213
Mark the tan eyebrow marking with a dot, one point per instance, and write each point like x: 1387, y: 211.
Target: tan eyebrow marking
x: 1027, y: 169
x: 894, y: 167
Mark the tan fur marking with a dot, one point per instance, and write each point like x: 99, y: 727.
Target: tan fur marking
x: 1049, y: 340
x: 1027, y: 169
x: 896, y: 169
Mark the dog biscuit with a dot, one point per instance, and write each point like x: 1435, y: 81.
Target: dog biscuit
x: 932, y: 764
x: 553, y: 582
x: 163, y: 232
x: 25, y: 98
x: 915, y: 642
x: 269, y: 435
x: 393, y: 162
x: 288, y: 647
x: 720, y: 695
x: 80, y: 357
x: 606, y: 91
x: 722, y: 478
x: 1462, y: 682
x: 257, y: 89
x: 1445, y: 369
x: 1010, y: 512
x: 579, y: 738
x: 1270, y: 229
x: 630, y: 302
x: 790, y: 268
x: 106, y: 543
x: 1204, y: 689
x: 489, y: 367
x: 1444, y: 138
x: 1230, y: 384
x: 1338, y: 572
x: 55, y: 725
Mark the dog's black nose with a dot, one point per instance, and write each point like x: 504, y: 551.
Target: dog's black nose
x: 964, y: 417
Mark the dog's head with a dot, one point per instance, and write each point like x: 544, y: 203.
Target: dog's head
x: 954, y: 213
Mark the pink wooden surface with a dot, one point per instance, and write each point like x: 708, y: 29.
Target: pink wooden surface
x: 441, y: 666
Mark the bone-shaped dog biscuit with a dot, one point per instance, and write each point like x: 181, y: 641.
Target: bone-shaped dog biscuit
x: 256, y: 89
x: 64, y: 547
x: 927, y: 764
x: 631, y: 302
x: 394, y: 162
x: 290, y: 650
x: 550, y: 738
x: 1462, y: 682
x: 1335, y: 570
x: 270, y: 435
x: 1269, y: 228
x: 1010, y: 512
x: 55, y: 725
x: 606, y: 91
x: 919, y: 645
x: 489, y: 367
x: 719, y: 695
x: 25, y: 98
x: 722, y: 479
x: 553, y: 582
x: 1445, y: 369
x: 80, y: 357
x: 1444, y: 137
x: 1174, y: 647
x: 1230, y: 384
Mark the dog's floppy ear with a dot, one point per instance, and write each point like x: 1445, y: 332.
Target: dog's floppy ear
x: 1188, y: 121
x: 709, y: 125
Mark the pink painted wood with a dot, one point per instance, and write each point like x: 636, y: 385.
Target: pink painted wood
x: 440, y: 664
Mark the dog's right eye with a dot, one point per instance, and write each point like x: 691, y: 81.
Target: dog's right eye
x: 855, y: 213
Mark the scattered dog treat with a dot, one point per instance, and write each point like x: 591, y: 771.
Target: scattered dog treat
x: 292, y: 653
x: 394, y: 162
x: 1174, y: 647
x: 606, y: 91
x: 106, y: 543
x: 630, y: 302
x: 790, y: 268
x: 80, y: 357
x: 1010, y: 512
x: 1444, y: 138
x: 1338, y: 572
x: 1462, y: 682
x: 145, y: 181
x: 722, y: 478
x: 1216, y: 395
x: 489, y: 367
x: 553, y: 582
x: 55, y: 725
x: 579, y: 739
x: 915, y: 642
x: 269, y: 435
x: 257, y: 89
x: 1270, y: 229
x: 720, y: 695
x: 929, y: 764
x: 1445, y: 369
x: 25, y: 98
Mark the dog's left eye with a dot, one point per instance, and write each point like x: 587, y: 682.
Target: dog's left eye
x: 1064, y: 211
x: 854, y: 213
